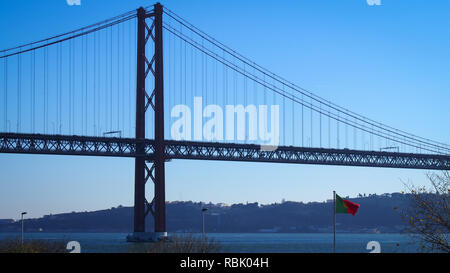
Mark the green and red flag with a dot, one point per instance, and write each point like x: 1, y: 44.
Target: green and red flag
x: 345, y: 206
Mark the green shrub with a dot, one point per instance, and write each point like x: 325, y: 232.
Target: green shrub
x: 181, y: 244
x: 14, y: 245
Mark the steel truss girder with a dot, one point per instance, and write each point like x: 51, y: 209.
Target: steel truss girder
x: 126, y: 147
x: 299, y: 155
x: 71, y: 145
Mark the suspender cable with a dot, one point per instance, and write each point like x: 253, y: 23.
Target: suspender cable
x: 45, y: 90
x: 118, y: 78
x: 19, y: 91
x: 123, y: 79
x: 111, y: 81
x: 95, y: 84
x: 5, y: 85
x: 33, y: 92
x: 86, y: 86
x: 70, y: 87
x: 320, y: 126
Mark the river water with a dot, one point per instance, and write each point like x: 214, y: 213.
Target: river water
x: 247, y: 242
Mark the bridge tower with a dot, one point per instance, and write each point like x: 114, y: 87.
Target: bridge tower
x: 144, y: 100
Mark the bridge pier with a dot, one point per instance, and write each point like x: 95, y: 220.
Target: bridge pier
x: 156, y: 172
x: 160, y: 187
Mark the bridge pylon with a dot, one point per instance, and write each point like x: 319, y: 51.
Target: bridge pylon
x: 144, y: 100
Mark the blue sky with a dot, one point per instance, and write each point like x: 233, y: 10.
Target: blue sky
x: 390, y: 63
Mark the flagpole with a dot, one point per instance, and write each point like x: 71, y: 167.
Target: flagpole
x: 334, y: 222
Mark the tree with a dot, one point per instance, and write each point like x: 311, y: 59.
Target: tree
x: 428, y: 214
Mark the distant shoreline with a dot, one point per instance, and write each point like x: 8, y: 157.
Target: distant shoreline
x: 377, y: 214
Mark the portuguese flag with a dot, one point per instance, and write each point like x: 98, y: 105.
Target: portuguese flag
x: 345, y: 206
x: 342, y: 206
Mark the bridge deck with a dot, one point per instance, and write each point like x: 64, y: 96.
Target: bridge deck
x: 126, y: 147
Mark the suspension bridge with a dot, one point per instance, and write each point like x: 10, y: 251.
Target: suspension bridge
x: 110, y: 89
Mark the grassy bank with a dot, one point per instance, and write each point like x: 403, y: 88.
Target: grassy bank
x: 14, y: 245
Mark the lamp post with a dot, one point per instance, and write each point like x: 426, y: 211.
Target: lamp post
x: 23, y: 213
x: 203, y: 222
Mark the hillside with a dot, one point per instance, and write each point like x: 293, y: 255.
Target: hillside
x: 376, y: 214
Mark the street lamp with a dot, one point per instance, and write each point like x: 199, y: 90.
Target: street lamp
x: 23, y: 213
x: 203, y: 222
